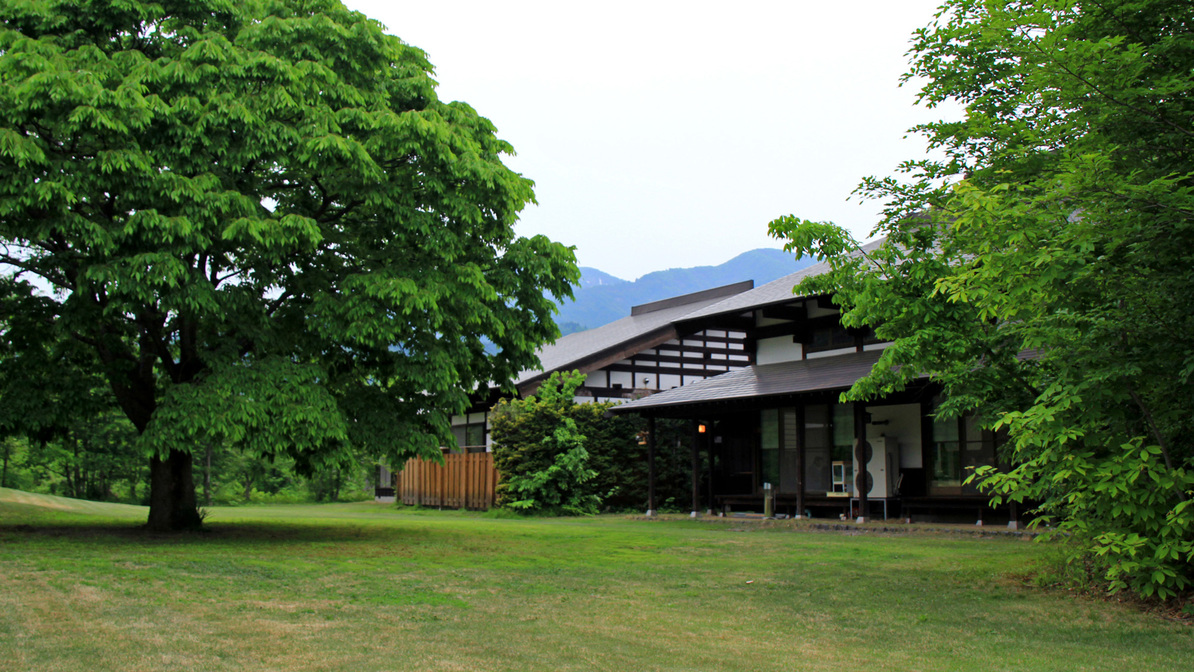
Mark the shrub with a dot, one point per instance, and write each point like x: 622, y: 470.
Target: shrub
x: 537, y: 444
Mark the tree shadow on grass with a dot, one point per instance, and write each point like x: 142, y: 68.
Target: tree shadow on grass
x: 233, y: 534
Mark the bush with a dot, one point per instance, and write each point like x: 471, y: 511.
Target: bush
x: 541, y: 453
x: 537, y: 450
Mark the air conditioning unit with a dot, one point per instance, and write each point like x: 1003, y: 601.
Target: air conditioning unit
x: 882, y: 468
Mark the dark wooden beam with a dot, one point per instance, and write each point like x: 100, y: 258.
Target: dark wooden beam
x: 675, y: 370
x: 739, y: 322
x: 789, y: 311
x: 675, y: 350
x: 776, y: 330
x: 712, y: 339
x: 606, y: 357
x: 826, y: 303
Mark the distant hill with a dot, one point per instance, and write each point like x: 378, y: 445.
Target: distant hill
x: 591, y: 277
x: 602, y: 298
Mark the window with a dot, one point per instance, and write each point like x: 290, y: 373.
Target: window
x: 958, y: 445
x: 769, y: 467
x: 778, y: 449
x: 946, y: 475
x: 470, y: 435
x: 830, y: 337
x: 816, y: 448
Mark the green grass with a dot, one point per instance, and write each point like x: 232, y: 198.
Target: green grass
x: 368, y: 587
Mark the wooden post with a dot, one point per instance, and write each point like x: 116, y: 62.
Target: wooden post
x: 709, y: 444
x: 651, y: 466
x: 799, y: 462
x: 696, y: 469
x: 861, y: 478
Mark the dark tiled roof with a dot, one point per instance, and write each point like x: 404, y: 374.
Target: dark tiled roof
x: 776, y: 291
x: 645, y: 319
x: 810, y: 375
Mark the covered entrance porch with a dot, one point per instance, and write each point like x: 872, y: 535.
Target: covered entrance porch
x: 797, y: 451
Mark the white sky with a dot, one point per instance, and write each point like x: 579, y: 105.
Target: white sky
x: 668, y: 134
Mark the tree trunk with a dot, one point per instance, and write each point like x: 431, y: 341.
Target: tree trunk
x: 76, y: 490
x: 172, y: 494
x: 207, y: 478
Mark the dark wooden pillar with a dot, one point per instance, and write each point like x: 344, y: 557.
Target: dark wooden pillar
x: 926, y: 445
x: 709, y: 445
x: 651, y: 466
x: 861, y: 476
x: 800, y: 461
x: 696, y: 468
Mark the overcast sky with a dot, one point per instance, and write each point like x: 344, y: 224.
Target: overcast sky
x: 668, y: 134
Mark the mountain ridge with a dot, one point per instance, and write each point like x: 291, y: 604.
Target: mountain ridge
x: 601, y: 298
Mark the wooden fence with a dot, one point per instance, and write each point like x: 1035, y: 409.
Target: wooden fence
x: 463, y: 481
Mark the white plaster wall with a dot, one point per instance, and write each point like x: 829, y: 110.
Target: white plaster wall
x: 831, y: 353
x: 778, y: 349
x: 598, y: 378
x: 903, y: 425
x: 816, y: 311
x: 667, y: 381
x: 621, y: 378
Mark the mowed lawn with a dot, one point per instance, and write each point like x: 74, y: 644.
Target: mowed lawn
x: 369, y: 587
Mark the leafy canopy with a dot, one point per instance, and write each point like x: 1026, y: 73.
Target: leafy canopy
x: 261, y: 222
x: 1042, y: 268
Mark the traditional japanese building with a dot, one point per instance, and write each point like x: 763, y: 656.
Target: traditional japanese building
x: 646, y: 352
x: 776, y: 429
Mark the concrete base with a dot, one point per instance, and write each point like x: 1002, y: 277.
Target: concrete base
x: 650, y: 513
x: 708, y: 512
x: 694, y: 514
x: 799, y: 517
x: 979, y: 524
x: 1013, y: 525
x: 861, y: 519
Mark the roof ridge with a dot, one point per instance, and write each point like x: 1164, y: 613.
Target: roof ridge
x: 703, y: 295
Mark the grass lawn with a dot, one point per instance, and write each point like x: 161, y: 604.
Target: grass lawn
x: 368, y: 587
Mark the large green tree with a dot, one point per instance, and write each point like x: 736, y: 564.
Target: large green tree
x: 1041, y: 265
x: 263, y: 225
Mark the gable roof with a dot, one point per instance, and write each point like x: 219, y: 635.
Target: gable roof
x: 774, y: 292
x: 648, y: 325
x: 768, y: 380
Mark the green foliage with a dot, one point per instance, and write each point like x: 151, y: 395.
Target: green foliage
x: 257, y: 223
x: 1041, y: 271
x: 540, y: 452
x: 535, y: 436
